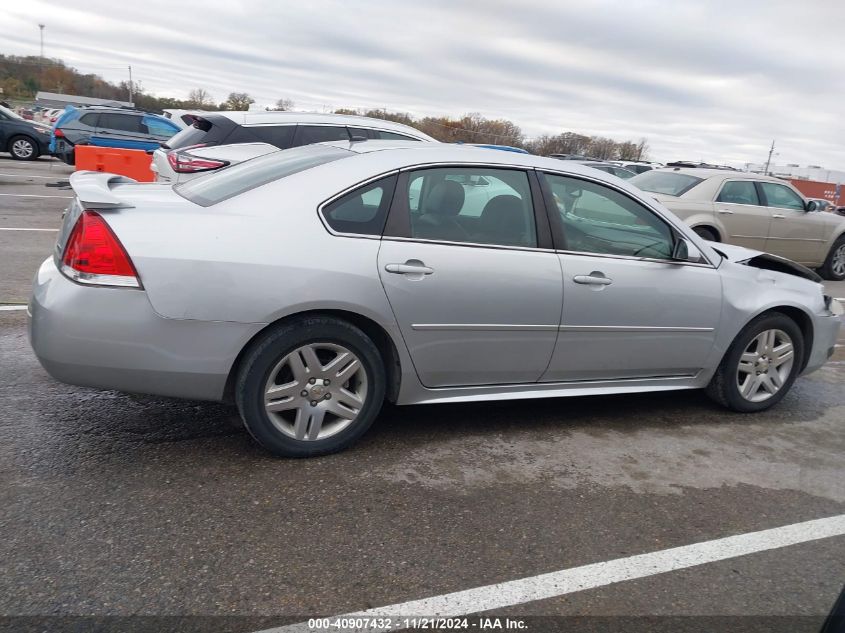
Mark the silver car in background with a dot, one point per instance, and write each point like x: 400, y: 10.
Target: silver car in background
x: 311, y: 284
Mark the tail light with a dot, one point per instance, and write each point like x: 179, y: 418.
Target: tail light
x: 186, y: 164
x: 93, y: 255
x: 58, y: 132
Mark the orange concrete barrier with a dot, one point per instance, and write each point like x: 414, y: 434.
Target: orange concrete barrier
x: 133, y: 163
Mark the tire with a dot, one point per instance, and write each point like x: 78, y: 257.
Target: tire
x: 305, y: 420
x: 833, y: 268
x: 725, y: 386
x: 706, y: 233
x: 23, y: 148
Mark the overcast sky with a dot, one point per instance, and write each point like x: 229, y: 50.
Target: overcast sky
x: 716, y: 81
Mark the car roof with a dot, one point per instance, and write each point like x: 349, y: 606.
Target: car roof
x: 410, y: 152
x: 243, y: 117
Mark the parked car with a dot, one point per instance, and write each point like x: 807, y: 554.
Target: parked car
x: 311, y: 284
x: 754, y: 211
x: 282, y: 130
x: 637, y: 167
x: 24, y: 140
x: 182, y: 118
x: 610, y: 168
x: 823, y: 205
x: 108, y: 127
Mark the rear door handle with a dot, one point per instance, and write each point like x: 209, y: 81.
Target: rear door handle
x: 778, y: 216
x: 409, y: 269
x: 592, y: 279
x: 726, y: 212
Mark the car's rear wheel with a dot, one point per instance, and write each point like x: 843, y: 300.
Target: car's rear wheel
x: 310, y: 387
x: 834, y: 266
x: 760, y: 366
x: 23, y: 148
x: 706, y: 233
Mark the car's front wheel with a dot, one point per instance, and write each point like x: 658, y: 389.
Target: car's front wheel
x: 834, y: 266
x: 760, y: 366
x: 310, y: 387
x: 23, y: 148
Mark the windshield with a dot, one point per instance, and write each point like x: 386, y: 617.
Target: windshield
x: 227, y: 183
x: 11, y: 113
x: 668, y: 182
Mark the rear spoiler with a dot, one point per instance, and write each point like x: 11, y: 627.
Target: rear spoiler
x: 93, y: 188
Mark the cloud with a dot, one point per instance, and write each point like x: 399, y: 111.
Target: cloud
x: 714, y: 80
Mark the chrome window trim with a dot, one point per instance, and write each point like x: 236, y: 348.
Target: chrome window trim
x: 421, y: 240
x: 669, y: 262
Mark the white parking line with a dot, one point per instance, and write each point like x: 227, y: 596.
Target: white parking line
x: 9, y: 308
x: 33, y: 176
x: 558, y: 583
x: 31, y: 195
x: 23, y: 229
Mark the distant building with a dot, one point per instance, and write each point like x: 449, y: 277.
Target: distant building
x: 56, y: 100
x: 796, y: 172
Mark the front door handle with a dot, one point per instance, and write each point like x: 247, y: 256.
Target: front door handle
x: 411, y: 267
x: 778, y: 216
x: 726, y: 212
x: 593, y: 279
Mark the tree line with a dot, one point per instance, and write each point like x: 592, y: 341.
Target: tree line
x: 23, y: 77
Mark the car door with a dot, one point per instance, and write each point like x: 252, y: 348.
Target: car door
x: 743, y: 216
x: 4, y: 127
x: 124, y: 130
x: 477, y: 296
x: 795, y: 233
x: 629, y: 310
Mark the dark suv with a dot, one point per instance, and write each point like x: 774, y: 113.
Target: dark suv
x: 109, y: 127
x: 23, y: 139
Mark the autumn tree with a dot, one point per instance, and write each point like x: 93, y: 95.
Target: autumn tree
x: 237, y: 101
x: 200, y: 98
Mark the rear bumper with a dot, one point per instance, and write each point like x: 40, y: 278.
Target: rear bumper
x: 111, y: 338
x: 825, y: 334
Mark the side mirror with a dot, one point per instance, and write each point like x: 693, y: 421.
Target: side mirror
x: 685, y: 251
x: 812, y: 205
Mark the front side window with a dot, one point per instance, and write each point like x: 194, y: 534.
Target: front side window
x: 781, y: 196
x: 598, y: 219
x: 160, y: 127
x: 471, y: 204
x: 738, y: 192
x: 363, y: 211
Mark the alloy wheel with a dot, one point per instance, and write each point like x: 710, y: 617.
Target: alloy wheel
x: 765, y: 365
x: 23, y: 148
x: 315, y: 391
x: 838, y: 263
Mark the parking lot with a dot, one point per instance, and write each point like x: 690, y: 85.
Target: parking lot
x: 137, y: 507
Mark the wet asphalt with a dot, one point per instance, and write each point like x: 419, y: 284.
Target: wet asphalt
x: 134, y: 506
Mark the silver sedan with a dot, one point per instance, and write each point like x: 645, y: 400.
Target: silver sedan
x: 311, y: 284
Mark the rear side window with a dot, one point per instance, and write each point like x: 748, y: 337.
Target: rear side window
x: 121, y: 122
x: 738, y: 192
x: 221, y: 185
x: 363, y: 211
x: 308, y: 134
x: 392, y: 136
x: 280, y: 136
x: 89, y: 119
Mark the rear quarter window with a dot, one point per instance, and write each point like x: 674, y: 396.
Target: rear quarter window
x: 227, y: 183
x: 363, y: 211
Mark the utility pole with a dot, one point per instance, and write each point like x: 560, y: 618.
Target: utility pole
x: 41, y: 29
x: 130, y: 85
x: 769, y: 160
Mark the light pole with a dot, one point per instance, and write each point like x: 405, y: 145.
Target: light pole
x: 41, y: 30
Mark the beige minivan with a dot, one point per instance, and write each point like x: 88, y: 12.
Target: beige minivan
x: 751, y: 210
